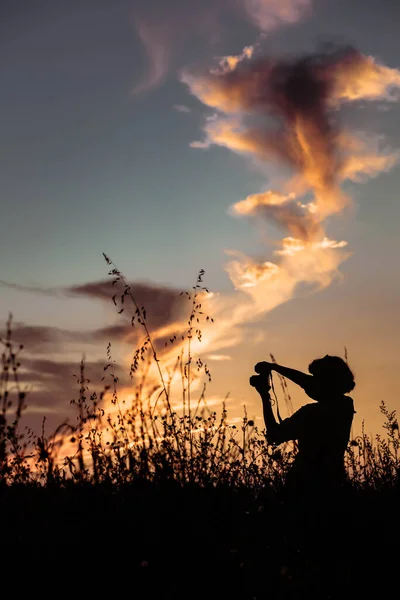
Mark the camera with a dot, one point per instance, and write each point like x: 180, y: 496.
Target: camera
x: 257, y: 380
x: 253, y: 380
x: 264, y: 371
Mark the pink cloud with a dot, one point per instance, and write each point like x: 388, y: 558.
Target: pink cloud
x: 159, y: 52
x: 199, y: 144
x: 272, y: 14
x: 181, y: 108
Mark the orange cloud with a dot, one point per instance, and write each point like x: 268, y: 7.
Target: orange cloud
x: 284, y: 210
x: 363, y: 78
x: 230, y: 62
x: 281, y: 111
x: 360, y: 167
x: 301, y: 93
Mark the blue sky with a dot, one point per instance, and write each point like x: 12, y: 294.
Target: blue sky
x: 89, y: 165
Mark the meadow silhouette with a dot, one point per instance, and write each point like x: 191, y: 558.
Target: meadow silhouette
x: 184, y: 504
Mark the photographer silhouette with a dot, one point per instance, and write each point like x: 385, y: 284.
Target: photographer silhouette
x: 322, y: 429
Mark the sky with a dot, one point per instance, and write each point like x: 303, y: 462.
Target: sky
x: 120, y: 128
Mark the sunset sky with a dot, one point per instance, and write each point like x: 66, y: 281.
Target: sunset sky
x: 127, y: 130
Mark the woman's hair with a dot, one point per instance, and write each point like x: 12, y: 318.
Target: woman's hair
x: 334, y: 370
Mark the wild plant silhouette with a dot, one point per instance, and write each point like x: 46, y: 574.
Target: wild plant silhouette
x: 187, y: 494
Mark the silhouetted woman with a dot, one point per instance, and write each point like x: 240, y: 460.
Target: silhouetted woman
x: 322, y: 429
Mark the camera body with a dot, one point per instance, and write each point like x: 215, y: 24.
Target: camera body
x: 264, y: 375
x: 254, y: 379
x: 262, y: 380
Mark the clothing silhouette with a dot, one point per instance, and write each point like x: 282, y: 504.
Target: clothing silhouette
x: 322, y: 429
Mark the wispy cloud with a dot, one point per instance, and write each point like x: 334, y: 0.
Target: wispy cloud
x: 159, y: 51
x: 46, y: 340
x: 199, y: 144
x: 219, y: 357
x: 163, y: 304
x: 34, y: 289
x: 167, y: 36
x: 182, y: 108
x: 165, y: 308
x: 42, y: 340
x: 40, y: 370
x: 268, y: 15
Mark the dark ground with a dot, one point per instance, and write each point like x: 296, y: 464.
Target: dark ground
x: 163, y: 541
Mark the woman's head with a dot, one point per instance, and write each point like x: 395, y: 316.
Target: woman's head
x: 334, y: 372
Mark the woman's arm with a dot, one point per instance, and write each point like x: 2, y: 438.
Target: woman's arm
x: 288, y: 429
x: 272, y: 427
x: 298, y: 377
x: 261, y: 384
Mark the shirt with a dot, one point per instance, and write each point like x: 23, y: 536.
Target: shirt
x: 322, y: 430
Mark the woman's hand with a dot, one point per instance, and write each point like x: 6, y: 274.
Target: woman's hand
x: 260, y: 383
x: 264, y: 367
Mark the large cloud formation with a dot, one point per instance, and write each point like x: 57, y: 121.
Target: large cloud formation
x: 286, y: 113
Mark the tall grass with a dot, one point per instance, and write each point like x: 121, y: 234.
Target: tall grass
x: 150, y: 441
